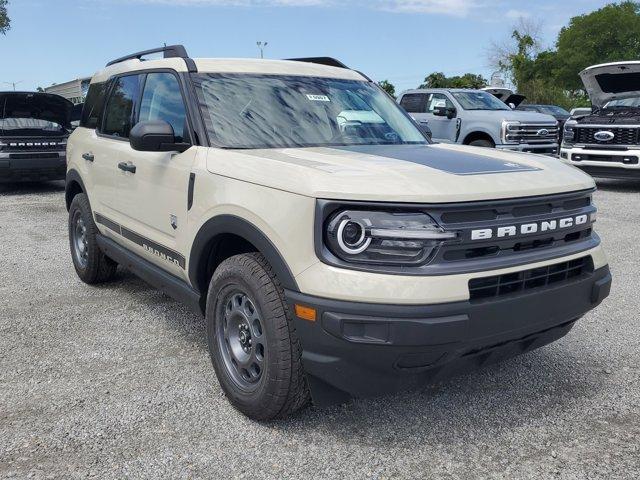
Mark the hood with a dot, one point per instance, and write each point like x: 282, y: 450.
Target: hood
x: 513, y: 115
x: 433, y: 173
x: 611, y: 81
x: 506, y: 95
x: 37, y: 106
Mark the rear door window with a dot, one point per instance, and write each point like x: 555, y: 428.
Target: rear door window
x: 414, y: 102
x: 93, y: 104
x: 119, y: 110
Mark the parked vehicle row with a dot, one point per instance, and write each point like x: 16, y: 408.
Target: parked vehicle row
x: 334, y: 250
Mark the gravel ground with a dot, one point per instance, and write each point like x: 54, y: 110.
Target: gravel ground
x: 115, y: 382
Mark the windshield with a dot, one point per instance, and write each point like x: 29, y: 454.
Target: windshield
x: 267, y: 111
x: 553, y: 110
x: 473, y: 100
x: 633, y: 102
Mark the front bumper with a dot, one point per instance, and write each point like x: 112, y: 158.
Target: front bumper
x: 363, y: 349
x: 543, y: 149
x: 32, y: 166
x: 619, y: 164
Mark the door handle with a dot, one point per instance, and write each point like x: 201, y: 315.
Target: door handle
x: 127, y: 167
x: 88, y: 157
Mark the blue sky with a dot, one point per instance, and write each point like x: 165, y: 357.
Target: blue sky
x: 399, y: 40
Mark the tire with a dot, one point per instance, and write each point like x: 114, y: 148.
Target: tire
x: 260, y: 370
x: 482, y: 143
x: 92, y: 266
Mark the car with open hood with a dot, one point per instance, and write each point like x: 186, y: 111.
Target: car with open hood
x: 606, y: 141
x: 34, y: 128
x: 332, y: 248
x: 479, y: 118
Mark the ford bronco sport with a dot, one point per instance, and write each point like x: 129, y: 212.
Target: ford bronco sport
x: 334, y: 251
x: 33, y: 136
x: 605, y: 142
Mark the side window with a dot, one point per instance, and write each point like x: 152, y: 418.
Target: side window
x: 162, y: 100
x: 414, y: 102
x: 120, y: 105
x: 93, y: 104
x: 438, y: 100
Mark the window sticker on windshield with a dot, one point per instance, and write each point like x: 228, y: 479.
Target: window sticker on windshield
x: 318, y: 98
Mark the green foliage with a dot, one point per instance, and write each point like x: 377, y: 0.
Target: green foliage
x: 440, y: 80
x: 388, y: 87
x: 5, y: 22
x: 551, y: 76
x: 607, y: 35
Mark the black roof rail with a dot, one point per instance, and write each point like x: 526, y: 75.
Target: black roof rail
x: 328, y: 61
x: 168, y: 51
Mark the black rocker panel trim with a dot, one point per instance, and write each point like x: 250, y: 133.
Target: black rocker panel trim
x: 155, y: 248
x: 152, y: 274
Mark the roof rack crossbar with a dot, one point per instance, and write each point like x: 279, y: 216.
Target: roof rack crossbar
x: 328, y: 61
x: 169, y: 51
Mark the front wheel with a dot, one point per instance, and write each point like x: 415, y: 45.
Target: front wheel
x: 252, y: 341
x: 482, y: 143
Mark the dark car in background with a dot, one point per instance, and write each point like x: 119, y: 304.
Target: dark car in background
x: 559, y: 113
x: 33, y: 136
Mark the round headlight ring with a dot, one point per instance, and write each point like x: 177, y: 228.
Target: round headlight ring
x: 352, y: 248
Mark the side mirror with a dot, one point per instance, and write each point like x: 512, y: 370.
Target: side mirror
x: 448, y: 112
x: 426, y: 131
x: 155, y: 136
x: 513, y: 106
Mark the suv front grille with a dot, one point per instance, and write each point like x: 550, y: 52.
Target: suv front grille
x: 622, y: 135
x: 533, y: 133
x: 528, y: 280
x: 35, y: 145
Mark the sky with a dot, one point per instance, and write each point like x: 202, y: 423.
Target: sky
x: 53, y: 41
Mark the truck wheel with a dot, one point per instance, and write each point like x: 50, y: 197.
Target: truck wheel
x: 252, y: 340
x: 482, y: 143
x: 92, y: 266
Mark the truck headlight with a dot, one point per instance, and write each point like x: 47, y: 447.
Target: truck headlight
x: 568, y: 133
x: 510, y: 132
x: 384, y: 238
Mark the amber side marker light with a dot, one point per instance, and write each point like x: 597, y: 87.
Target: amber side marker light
x: 305, y: 313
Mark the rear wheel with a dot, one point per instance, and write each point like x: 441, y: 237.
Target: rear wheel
x: 252, y: 342
x: 482, y: 143
x: 92, y: 266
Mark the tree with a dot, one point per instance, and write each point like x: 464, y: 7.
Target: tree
x: 551, y: 75
x: 5, y: 22
x: 440, y: 80
x: 40, y: 89
x: 609, y: 34
x: 388, y: 87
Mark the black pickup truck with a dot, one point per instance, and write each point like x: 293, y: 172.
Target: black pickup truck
x: 33, y: 136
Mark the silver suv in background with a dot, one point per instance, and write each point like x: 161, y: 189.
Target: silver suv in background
x: 475, y: 117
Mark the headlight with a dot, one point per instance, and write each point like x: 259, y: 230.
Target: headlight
x: 510, y: 132
x: 384, y: 238
x: 568, y: 133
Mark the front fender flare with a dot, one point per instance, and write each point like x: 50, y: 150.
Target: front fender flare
x: 231, y: 224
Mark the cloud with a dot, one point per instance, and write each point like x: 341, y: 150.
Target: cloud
x: 515, y: 14
x: 458, y: 8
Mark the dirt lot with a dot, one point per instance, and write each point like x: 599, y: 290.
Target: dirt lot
x: 116, y: 382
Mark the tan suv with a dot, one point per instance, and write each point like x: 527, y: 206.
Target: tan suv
x: 334, y: 250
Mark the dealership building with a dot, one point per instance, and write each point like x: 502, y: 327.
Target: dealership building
x: 74, y: 90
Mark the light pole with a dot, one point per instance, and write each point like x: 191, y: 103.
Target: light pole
x: 262, y: 46
x: 13, y: 84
